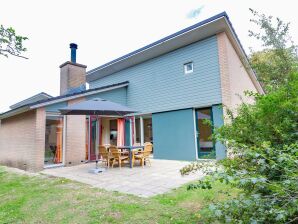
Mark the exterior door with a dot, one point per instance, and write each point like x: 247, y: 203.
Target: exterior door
x: 204, y: 123
x: 94, y: 136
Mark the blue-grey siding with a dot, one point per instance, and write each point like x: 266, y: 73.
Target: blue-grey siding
x: 160, y: 84
x: 115, y: 95
x: 173, y: 135
x: 217, y: 114
x: 55, y: 107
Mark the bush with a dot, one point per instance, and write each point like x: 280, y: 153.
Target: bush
x: 264, y: 138
x: 273, y: 118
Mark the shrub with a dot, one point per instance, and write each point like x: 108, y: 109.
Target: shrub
x: 264, y: 138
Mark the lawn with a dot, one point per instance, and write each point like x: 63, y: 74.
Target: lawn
x: 43, y: 199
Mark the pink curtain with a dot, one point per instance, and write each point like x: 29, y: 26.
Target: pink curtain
x: 120, y: 131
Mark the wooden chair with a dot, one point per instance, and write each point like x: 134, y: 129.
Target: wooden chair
x: 136, y: 150
x: 106, y: 156
x: 117, y: 155
x: 144, y: 154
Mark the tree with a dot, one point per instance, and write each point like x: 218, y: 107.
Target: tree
x: 11, y: 43
x: 278, y: 59
x: 264, y: 142
x: 264, y: 139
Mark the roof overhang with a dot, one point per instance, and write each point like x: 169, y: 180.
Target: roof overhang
x: 78, y: 96
x: 35, y: 98
x: 202, y: 30
x: 14, y: 112
x: 59, y: 99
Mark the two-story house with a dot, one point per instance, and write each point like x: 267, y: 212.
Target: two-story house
x: 175, y: 84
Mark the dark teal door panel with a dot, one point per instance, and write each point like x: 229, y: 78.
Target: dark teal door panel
x: 174, y: 135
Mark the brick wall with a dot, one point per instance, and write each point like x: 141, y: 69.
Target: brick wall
x: 224, y: 72
x: 71, y: 75
x: 75, y: 150
x: 234, y: 77
x: 22, y: 140
x: 40, y: 130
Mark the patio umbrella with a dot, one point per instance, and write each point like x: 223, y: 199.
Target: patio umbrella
x: 100, y: 107
x: 96, y: 106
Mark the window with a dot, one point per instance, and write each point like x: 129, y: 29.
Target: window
x: 143, y: 130
x: 113, y: 132
x: 188, y: 67
x: 204, y: 131
x: 138, y: 130
x: 53, y: 140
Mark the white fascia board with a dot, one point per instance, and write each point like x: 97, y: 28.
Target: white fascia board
x: 14, y: 112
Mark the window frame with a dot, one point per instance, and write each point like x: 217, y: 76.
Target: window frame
x: 185, y: 67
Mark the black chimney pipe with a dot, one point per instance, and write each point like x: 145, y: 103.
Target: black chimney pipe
x: 73, y: 55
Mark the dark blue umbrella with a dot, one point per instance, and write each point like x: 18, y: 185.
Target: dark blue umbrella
x: 96, y: 106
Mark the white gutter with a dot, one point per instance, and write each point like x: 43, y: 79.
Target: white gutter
x: 14, y: 112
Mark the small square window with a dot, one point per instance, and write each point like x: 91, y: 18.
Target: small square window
x: 188, y: 67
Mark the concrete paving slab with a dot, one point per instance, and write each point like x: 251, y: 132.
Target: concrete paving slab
x: 160, y: 178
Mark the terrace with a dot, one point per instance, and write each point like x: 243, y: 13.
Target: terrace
x: 161, y: 177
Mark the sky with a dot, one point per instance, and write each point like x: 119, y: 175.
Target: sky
x: 105, y: 30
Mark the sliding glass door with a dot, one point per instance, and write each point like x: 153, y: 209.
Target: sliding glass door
x: 113, y: 132
x: 204, y: 132
x: 94, y: 135
x: 53, y: 140
x: 143, y: 129
x: 148, y: 137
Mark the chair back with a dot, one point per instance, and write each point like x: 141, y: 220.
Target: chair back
x: 114, y: 151
x: 102, y: 151
x: 148, y: 148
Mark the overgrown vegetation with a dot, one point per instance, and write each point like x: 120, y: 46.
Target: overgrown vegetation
x: 264, y: 142
x: 278, y: 59
x: 44, y: 199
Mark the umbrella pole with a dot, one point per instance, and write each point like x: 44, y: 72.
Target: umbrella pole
x: 97, y: 142
x: 97, y: 169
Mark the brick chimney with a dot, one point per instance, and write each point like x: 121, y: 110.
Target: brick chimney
x: 72, y: 74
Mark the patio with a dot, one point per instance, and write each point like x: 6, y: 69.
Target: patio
x: 161, y: 177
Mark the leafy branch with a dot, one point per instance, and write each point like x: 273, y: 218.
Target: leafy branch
x: 11, y: 43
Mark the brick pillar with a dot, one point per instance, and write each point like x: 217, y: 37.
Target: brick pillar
x: 224, y: 71
x: 40, y: 130
x: 75, y: 149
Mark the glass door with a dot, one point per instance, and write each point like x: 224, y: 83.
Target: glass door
x: 204, y: 132
x: 94, y: 136
x: 113, y: 132
x: 148, y: 135
x: 143, y: 130
x: 53, y: 140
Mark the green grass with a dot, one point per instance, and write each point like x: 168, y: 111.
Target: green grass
x: 43, y: 199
